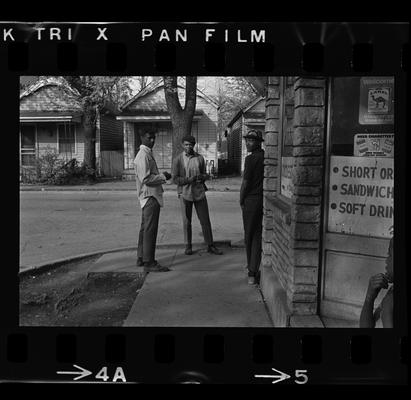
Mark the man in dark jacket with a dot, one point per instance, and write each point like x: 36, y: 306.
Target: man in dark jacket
x: 251, y: 202
x: 189, y: 174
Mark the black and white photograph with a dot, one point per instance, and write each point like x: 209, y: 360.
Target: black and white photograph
x: 206, y: 201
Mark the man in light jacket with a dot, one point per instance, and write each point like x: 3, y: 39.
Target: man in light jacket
x: 150, y: 193
x: 189, y: 175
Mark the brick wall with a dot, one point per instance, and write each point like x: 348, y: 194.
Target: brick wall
x: 291, y: 229
x: 307, y: 178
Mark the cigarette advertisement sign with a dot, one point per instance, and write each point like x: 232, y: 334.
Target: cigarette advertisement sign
x: 286, y: 179
x: 361, y: 200
x: 376, y: 101
x: 374, y: 145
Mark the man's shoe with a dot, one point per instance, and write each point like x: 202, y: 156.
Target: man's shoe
x: 188, y: 251
x: 212, y: 249
x: 251, y: 280
x: 140, y: 262
x: 156, y: 267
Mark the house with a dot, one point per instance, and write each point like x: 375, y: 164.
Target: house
x: 323, y: 237
x: 250, y: 117
x: 148, y: 110
x: 50, y: 120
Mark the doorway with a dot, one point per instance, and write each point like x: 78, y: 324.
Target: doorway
x: 359, y: 192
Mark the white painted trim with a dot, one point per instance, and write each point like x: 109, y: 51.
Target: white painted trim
x: 50, y: 81
x: 148, y: 118
x: 48, y: 119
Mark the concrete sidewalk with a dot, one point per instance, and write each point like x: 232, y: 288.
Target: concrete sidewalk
x: 201, y: 290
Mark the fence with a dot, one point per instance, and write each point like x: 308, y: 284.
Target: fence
x: 111, y: 163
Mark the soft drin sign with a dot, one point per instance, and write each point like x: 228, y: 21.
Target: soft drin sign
x: 361, y: 200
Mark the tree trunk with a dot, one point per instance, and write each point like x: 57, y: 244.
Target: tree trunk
x: 181, y: 118
x: 89, y: 128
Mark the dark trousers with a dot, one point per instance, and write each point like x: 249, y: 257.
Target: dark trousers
x: 253, y: 229
x: 148, y: 231
x: 201, y: 207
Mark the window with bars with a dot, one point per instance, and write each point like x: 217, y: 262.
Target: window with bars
x: 66, y: 138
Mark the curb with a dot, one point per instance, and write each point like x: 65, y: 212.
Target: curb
x: 28, y: 189
x: 49, y: 265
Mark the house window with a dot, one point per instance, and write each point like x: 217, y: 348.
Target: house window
x: 286, y: 140
x: 66, y: 138
x: 28, y: 145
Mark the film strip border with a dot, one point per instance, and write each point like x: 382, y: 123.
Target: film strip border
x: 280, y: 48
x: 204, y: 356
x: 333, y: 356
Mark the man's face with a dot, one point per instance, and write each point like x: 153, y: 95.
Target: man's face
x: 188, y: 147
x: 149, y: 139
x: 251, y: 144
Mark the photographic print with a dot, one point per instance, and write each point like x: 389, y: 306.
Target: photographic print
x: 293, y: 223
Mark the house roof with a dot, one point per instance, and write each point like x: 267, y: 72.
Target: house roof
x: 252, y: 104
x: 73, y: 94
x: 259, y: 83
x: 245, y: 109
x: 27, y: 80
x: 158, y: 84
x: 48, y: 81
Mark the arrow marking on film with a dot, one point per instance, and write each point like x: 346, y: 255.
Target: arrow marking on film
x: 281, y: 377
x: 82, y: 373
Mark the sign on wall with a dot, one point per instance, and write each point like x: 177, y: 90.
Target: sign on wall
x: 286, y: 180
x: 374, y: 145
x: 376, y: 101
x: 361, y: 200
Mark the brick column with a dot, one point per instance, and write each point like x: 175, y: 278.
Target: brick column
x: 275, y: 264
x: 307, y: 177
x: 272, y: 128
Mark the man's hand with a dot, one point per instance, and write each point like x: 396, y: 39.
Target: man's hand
x: 376, y: 283
x: 201, y: 177
x: 167, y: 175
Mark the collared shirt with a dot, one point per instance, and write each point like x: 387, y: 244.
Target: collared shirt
x: 192, y: 167
x: 149, y: 181
x: 184, y: 167
x: 254, y: 172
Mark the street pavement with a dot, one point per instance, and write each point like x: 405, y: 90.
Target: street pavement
x: 221, y: 184
x: 201, y: 290
x: 60, y: 224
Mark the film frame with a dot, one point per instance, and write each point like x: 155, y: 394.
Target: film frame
x: 215, y: 355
